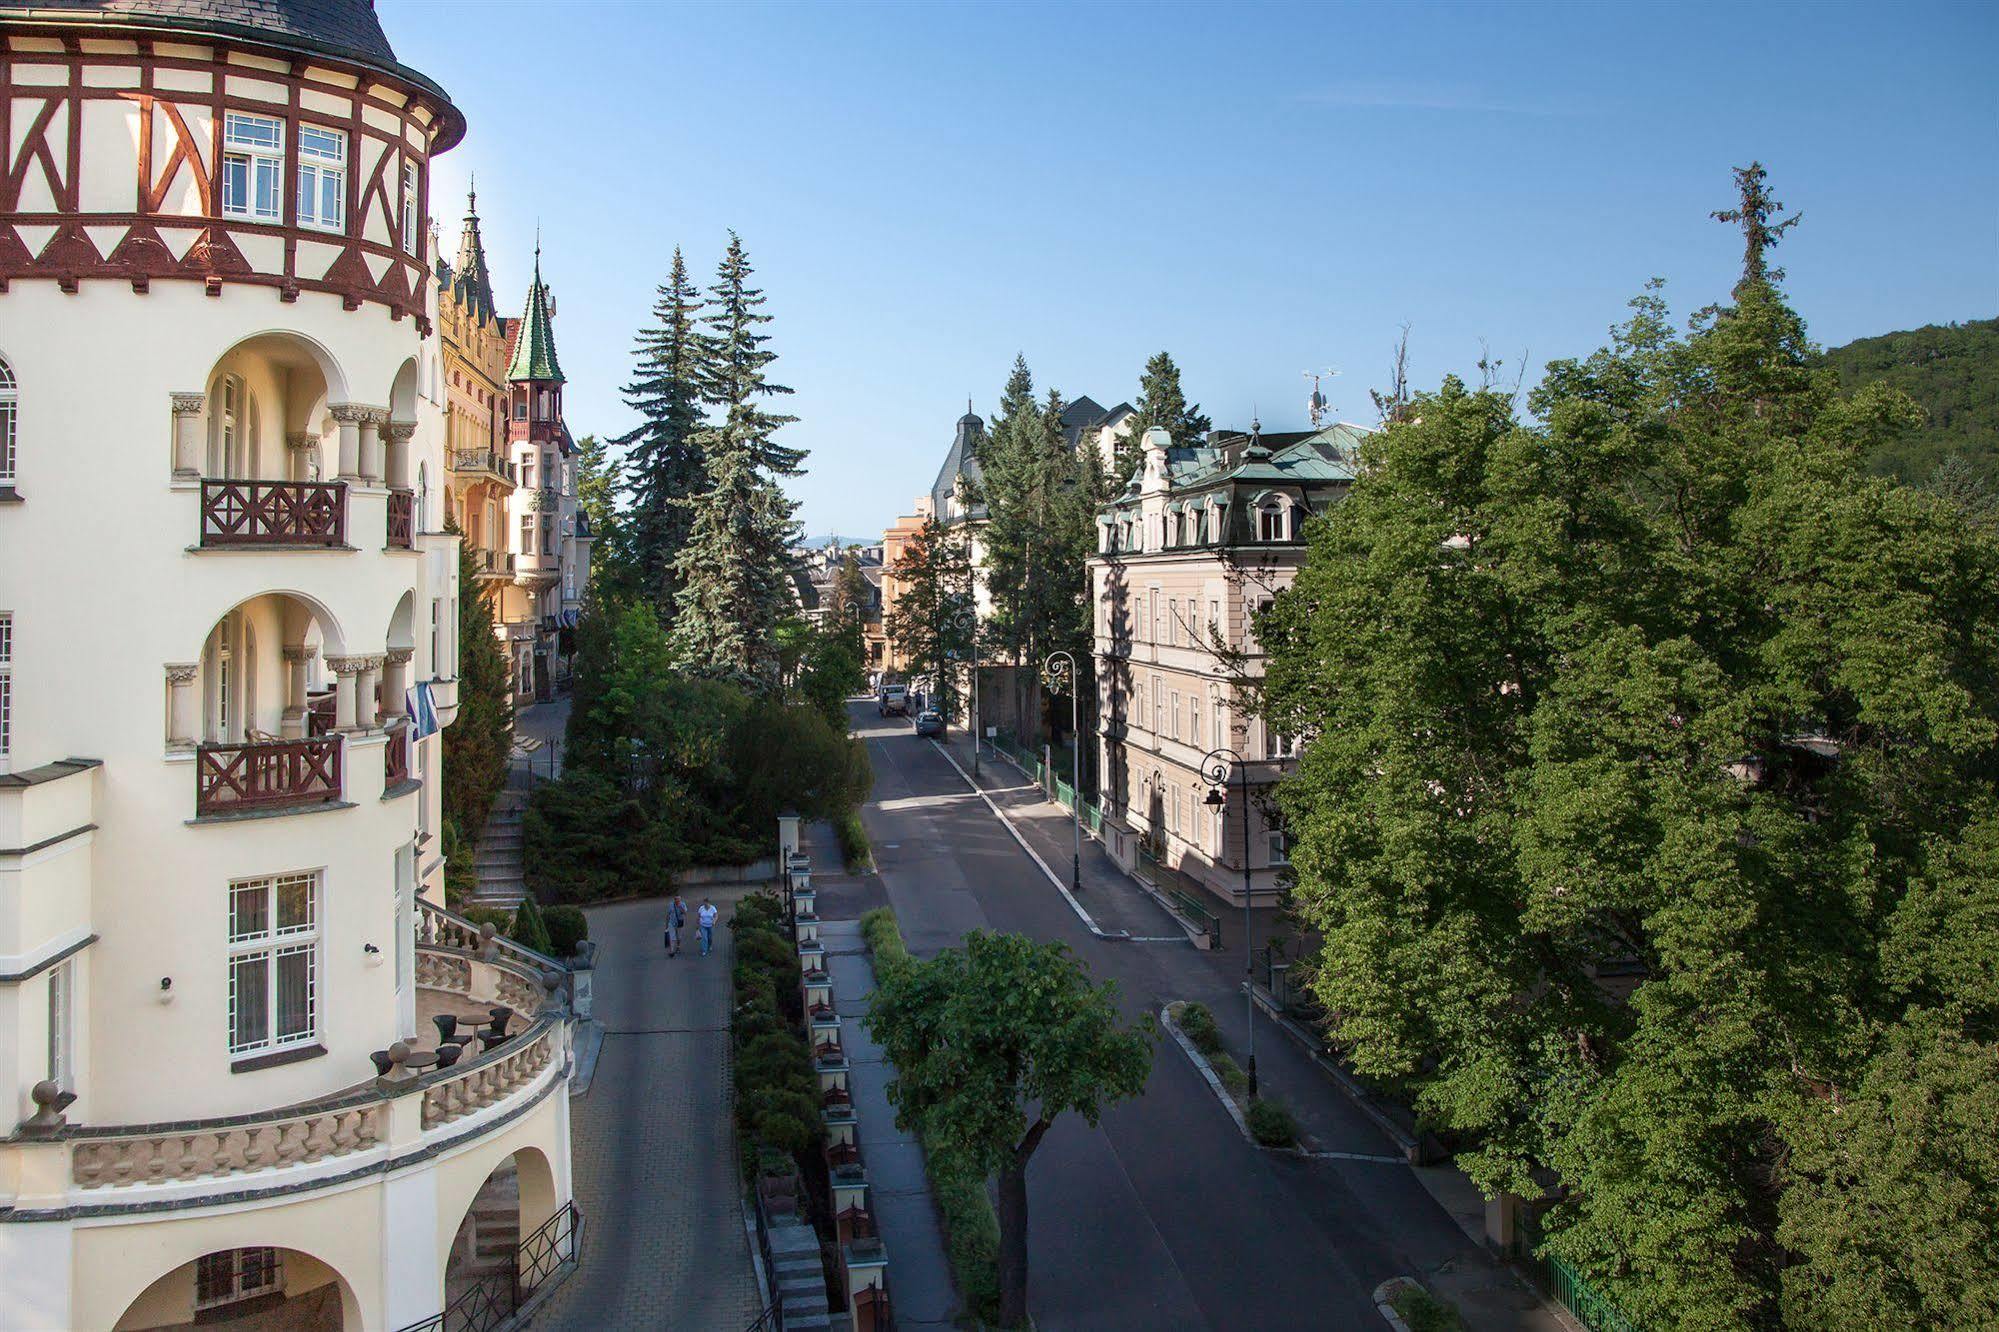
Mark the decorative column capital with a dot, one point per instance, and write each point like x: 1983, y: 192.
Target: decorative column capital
x: 400, y: 430
x: 301, y: 440
x: 399, y: 656
x: 181, y: 672
x: 347, y: 665
x: 354, y: 413
x: 189, y: 404
x: 371, y: 662
x: 300, y: 652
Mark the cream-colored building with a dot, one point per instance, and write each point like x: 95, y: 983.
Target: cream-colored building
x: 1205, y: 534
x: 227, y: 607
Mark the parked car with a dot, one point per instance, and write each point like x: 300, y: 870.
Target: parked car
x: 929, y: 722
x: 893, y: 700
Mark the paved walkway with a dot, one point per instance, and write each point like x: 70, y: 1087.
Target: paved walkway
x: 653, y: 1143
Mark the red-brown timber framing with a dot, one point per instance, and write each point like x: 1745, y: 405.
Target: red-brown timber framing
x: 69, y: 257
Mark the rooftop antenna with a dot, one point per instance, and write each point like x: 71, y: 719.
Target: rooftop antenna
x: 1318, y: 404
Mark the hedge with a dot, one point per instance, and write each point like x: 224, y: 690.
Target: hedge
x: 854, y: 848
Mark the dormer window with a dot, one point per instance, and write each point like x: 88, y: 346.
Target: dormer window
x: 1271, y: 519
x: 253, y: 166
x: 322, y: 178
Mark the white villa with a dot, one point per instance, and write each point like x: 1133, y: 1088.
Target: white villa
x: 227, y: 988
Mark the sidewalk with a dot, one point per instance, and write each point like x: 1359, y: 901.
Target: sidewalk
x: 653, y: 1141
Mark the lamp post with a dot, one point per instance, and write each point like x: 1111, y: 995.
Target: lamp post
x: 978, y: 731
x: 1215, y: 765
x: 1060, y: 669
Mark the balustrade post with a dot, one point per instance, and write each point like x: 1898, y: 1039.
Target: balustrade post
x: 371, y: 446
x: 180, y: 712
x: 398, y: 434
x: 347, y: 671
x: 395, y: 681
x: 187, y: 435
x: 300, y: 446
x: 297, y: 657
x: 349, y: 416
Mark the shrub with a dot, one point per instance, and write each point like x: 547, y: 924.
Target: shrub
x: 528, y: 930
x: 1231, y: 1074
x: 1199, y: 1024
x: 1424, y: 1312
x: 1271, y: 1124
x: 854, y: 848
x: 884, y: 940
x: 971, y: 1229
x: 567, y: 927
x: 500, y: 920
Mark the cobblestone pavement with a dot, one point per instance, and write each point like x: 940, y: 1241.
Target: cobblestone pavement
x: 654, y: 1152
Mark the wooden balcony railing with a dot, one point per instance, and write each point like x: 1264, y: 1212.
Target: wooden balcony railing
x: 402, y: 518
x: 276, y: 774
x: 396, y: 757
x: 273, y: 513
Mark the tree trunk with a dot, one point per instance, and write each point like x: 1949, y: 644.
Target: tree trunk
x: 1013, y: 1244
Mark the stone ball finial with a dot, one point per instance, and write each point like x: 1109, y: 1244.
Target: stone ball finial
x: 50, y: 1101
x: 399, y: 1052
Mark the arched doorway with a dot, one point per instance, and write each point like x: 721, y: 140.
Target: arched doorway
x: 247, y: 1290
x: 512, y: 1238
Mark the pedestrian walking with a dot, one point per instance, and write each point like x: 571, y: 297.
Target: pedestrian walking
x: 705, y: 918
x: 676, y: 921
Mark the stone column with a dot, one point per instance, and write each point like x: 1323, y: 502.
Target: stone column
x: 187, y: 435
x: 297, y: 657
x: 399, y: 470
x: 300, y: 445
x: 371, y: 446
x: 347, y: 671
x: 365, y: 703
x: 395, y: 680
x: 349, y: 416
x: 180, y: 696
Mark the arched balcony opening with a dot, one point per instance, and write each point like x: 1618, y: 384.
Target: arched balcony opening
x: 511, y: 1238
x: 392, y: 693
x: 265, y: 741
x: 241, y: 1289
x: 257, y: 439
x: 398, y: 466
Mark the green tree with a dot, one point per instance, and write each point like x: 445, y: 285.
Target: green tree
x: 1161, y: 402
x: 599, y: 478
x: 478, y: 742
x: 733, y: 572
x: 991, y: 1044
x: 931, y: 622
x: 1666, y: 689
x: 831, y: 673
x: 847, y: 598
x: 665, y: 464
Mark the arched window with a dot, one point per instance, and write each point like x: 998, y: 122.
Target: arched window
x: 1271, y: 515
x: 8, y: 401
x: 423, y: 497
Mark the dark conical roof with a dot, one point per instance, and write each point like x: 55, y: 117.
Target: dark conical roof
x: 343, y: 29
x: 471, y: 282
x: 534, y: 349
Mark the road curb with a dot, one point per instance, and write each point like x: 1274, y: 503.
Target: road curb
x: 1208, y: 1074
x: 588, y: 1045
x: 1115, y: 936
x: 1384, y: 1299
x: 1411, y: 1148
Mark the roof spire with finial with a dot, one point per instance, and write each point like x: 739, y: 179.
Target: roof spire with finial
x: 471, y: 281
x: 534, y: 350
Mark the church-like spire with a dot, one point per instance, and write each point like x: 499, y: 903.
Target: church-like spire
x: 473, y: 283
x: 534, y: 350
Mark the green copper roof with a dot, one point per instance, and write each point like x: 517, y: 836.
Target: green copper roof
x: 534, y: 352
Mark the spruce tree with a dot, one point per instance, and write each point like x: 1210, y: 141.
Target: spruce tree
x: 931, y: 621
x: 1161, y: 402
x: 734, y: 572
x: 478, y: 742
x: 664, y: 467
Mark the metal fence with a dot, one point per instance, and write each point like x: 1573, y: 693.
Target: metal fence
x: 491, y: 1302
x: 1591, y: 1307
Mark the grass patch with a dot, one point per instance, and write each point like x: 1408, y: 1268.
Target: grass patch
x: 1424, y: 1312
x: 971, y: 1227
x: 1271, y: 1124
x: 855, y: 850
x: 1199, y: 1023
x: 1231, y: 1075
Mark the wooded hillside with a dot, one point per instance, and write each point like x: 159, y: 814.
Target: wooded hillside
x: 1952, y: 371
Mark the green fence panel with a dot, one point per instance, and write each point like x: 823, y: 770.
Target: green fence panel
x: 1591, y: 1307
x: 1065, y: 794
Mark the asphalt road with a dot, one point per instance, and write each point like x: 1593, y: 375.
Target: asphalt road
x: 1161, y: 1217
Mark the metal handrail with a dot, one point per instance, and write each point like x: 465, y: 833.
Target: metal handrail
x: 772, y: 1317
x: 498, y: 1295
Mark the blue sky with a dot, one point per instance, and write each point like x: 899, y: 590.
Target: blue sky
x: 1262, y: 190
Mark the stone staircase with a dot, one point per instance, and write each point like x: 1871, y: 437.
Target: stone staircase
x: 800, y: 1278
x: 489, y: 1236
x: 497, y: 860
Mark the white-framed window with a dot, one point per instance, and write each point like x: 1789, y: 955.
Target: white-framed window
x: 1270, y: 524
x: 9, y: 400
x: 548, y: 534
x: 1193, y: 720
x: 1215, y: 620
x: 62, y: 1026
x: 253, y: 166
x: 273, y: 962
x: 569, y: 582
x: 1278, y: 844
x: 233, y: 1275
x: 322, y: 178
x: 527, y: 534
x: 527, y: 469
x: 6, y: 687
x: 1175, y: 714
x: 410, y: 237
x: 1173, y: 620
x: 1158, y: 705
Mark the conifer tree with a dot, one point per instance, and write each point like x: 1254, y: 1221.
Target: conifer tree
x: 664, y: 467
x: 1161, y: 402
x: 1030, y: 491
x: 477, y: 743
x: 733, y: 573
x: 931, y: 621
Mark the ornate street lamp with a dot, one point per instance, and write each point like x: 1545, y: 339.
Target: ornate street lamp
x: 1060, y: 671
x: 1215, y: 765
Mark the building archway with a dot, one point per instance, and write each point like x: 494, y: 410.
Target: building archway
x: 500, y: 1251
x: 238, y: 1290
x: 266, y: 409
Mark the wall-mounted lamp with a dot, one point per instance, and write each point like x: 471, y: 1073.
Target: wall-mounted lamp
x: 374, y: 954
x: 166, y: 994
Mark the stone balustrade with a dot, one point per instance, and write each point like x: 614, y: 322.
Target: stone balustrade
x: 211, y: 1151
x: 468, y: 1089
